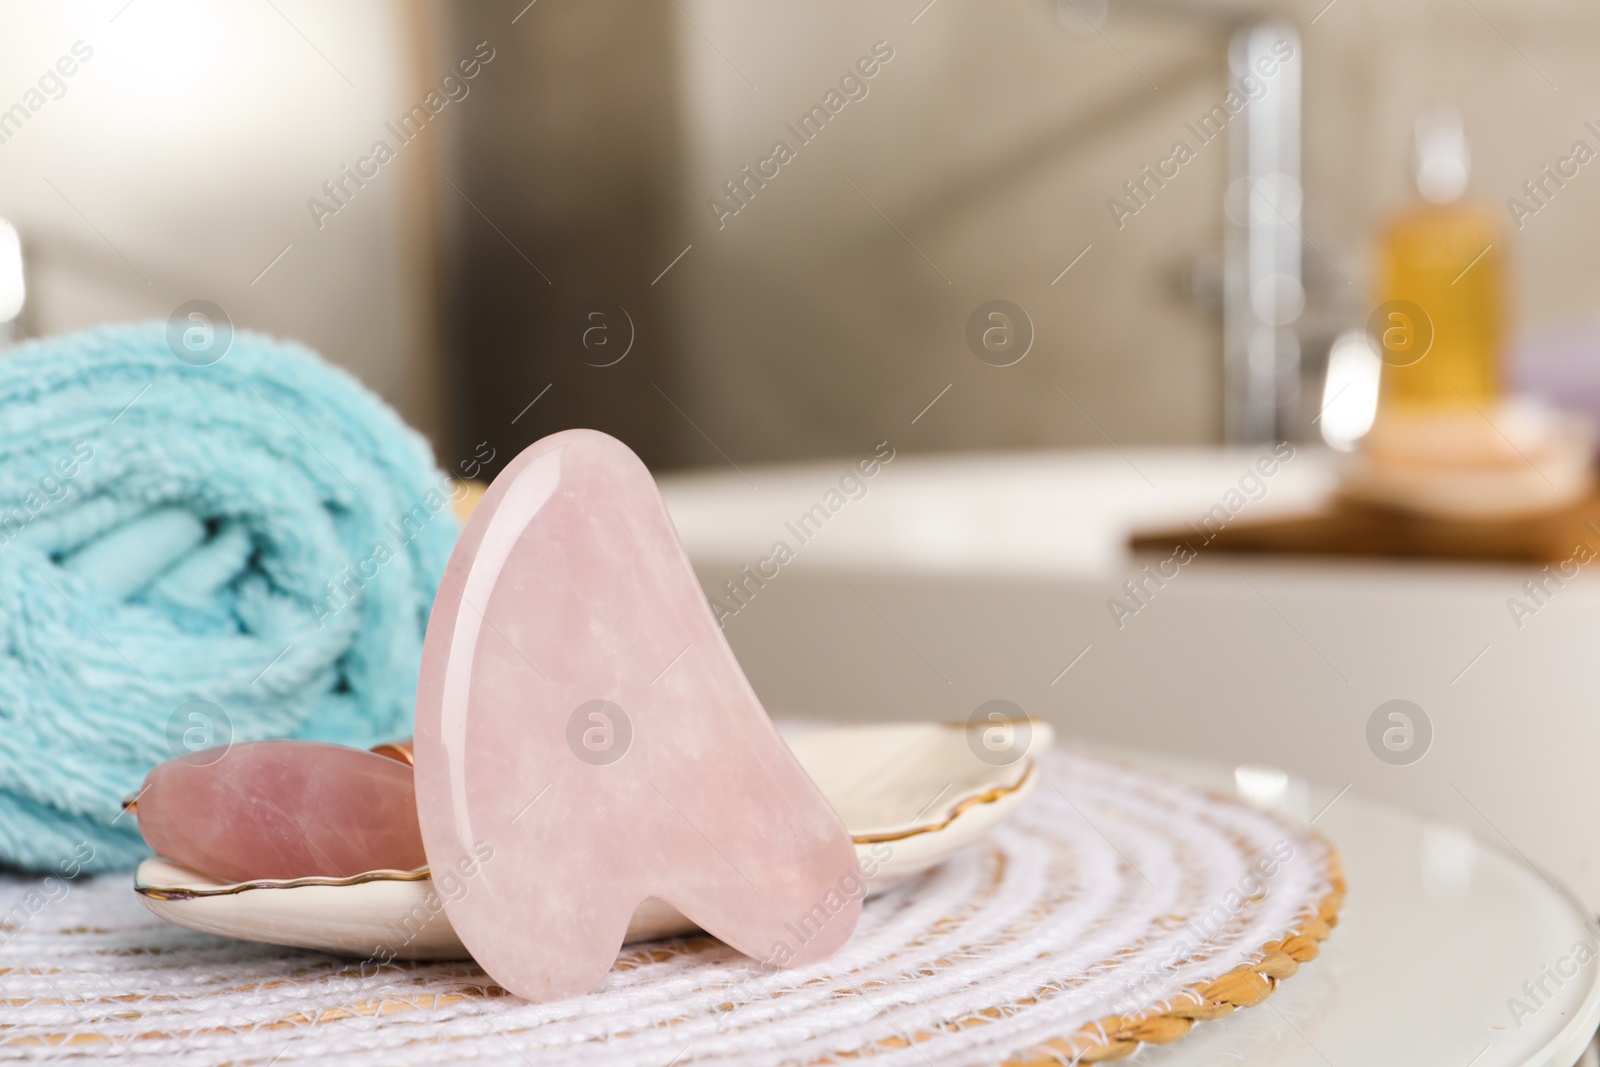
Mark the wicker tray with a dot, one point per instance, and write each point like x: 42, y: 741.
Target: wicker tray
x: 1115, y: 909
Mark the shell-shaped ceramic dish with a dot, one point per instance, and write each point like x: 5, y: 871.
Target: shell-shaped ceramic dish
x: 910, y: 794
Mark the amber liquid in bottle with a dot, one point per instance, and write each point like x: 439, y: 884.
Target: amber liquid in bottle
x: 1440, y: 323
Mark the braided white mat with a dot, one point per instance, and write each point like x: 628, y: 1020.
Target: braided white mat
x: 1108, y: 894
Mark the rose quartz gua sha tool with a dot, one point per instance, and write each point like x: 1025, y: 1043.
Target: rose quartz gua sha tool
x: 585, y: 740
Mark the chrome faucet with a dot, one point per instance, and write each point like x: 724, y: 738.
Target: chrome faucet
x: 1262, y: 289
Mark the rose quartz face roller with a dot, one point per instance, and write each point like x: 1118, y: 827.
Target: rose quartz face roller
x: 585, y: 740
x: 283, y: 809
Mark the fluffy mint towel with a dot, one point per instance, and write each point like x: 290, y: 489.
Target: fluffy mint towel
x: 190, y: 554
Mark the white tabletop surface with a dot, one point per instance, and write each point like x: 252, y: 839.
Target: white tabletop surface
x: 1003, y: 514
x: 1438, y: 933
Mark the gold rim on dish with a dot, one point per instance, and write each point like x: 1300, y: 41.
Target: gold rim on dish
x: 988, y: 796
x: 187, y: 893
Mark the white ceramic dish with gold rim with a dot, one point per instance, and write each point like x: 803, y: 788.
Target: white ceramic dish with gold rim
x: 911, y: 795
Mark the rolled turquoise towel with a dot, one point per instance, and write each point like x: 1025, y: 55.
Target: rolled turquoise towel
x: 190, y: 554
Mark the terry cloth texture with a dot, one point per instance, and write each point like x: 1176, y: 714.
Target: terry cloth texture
x: 192, y: 555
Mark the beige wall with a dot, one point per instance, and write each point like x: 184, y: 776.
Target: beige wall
x: 187, y: 147
x: 993, y: 141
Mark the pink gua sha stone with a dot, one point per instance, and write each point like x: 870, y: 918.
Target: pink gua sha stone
x: 585, y: 740
x: 282, y: 809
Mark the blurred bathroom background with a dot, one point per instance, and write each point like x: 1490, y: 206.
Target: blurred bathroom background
x: 570, y: 176
x: 514, y: 217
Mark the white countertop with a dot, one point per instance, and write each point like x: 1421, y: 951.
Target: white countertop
x: 1026, y: 513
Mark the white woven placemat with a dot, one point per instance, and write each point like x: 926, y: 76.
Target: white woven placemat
x: 1111, y: 894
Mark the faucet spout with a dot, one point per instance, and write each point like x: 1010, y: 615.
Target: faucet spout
x: 1263, y: 293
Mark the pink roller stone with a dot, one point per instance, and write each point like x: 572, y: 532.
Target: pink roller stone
x: 283, y: 809
x: 585, y: 740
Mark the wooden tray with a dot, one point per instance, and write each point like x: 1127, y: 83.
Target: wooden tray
x: 1349, y: 528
